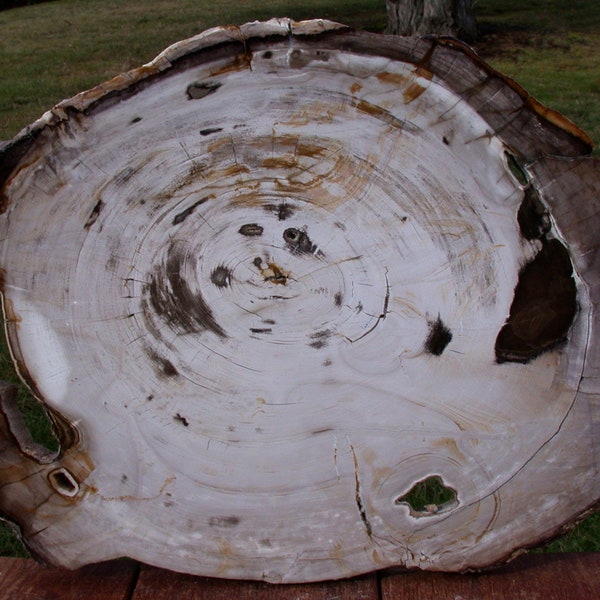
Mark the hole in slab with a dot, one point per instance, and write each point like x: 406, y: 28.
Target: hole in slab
x: 251, y: 230
x: 39, y: 433
x: 200, y: 89
x: 429, y: 497
x: 543, y: 307
x: 63, y: 482
x: 221, y: 276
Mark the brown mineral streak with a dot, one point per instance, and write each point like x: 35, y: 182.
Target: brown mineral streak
x: 239, y: 63
x: 412, y: 92
x: 355, y: 87
x: 10, y: 315
x: 414, y: 89
x: 279, y: 162
x: 395, y: 78
x: 131, y: 498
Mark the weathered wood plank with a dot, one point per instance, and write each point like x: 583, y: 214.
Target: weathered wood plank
x: 534, y: 577
x: 157, y: 584
x: 28, y: 580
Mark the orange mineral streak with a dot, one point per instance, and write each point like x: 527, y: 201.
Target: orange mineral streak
x: 530, y: 102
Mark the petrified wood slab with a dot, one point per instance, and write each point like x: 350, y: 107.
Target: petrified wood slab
x: 277, y: 279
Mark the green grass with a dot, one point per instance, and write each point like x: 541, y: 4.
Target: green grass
x: 585, y: 537
x: 53, y: 50
x: 550, y: 47
x: 9, y: 542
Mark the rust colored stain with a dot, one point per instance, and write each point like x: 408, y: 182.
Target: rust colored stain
x: 423, y: 72
x: 274, y: 274
x: 379, y: 113
x: 355, y: 88
x: 239, y: 63
x: 10, y: 315
x: 311, y: 150
x: 412, y: 92
x: 280, y: 162
x: 394, y: 78
x: 413, y: 88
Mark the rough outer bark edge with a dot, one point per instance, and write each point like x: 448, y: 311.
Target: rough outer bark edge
x: 417, y: 50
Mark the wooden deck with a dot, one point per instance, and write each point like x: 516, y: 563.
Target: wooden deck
x: 531, y: 577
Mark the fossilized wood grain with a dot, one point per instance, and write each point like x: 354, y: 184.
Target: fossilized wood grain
x: 277, y: 277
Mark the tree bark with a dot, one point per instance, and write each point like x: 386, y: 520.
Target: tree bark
x: 440, y: 17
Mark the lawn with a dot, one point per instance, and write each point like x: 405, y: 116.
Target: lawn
x: 53, y: 50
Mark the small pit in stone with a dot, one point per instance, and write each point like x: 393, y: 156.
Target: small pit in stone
x: 181, y: 419
x: 221, y: 276
x: 200, y: 89
x: 298, y: 242
x: 251, y: 230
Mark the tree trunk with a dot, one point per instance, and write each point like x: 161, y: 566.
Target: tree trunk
x: 439, y: 17
x: 305, y: 302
